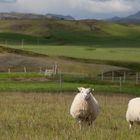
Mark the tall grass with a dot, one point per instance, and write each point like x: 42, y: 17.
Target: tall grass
x: 46, y: 116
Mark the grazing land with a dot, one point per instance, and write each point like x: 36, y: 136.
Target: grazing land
x: 36, y: 107
x: 41, y: 116
x: 122, y: 54
x: 102, y: 42
x: 81, y: 48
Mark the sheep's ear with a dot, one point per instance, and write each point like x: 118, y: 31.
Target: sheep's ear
x: 80, y: 88
x: 92, y: 90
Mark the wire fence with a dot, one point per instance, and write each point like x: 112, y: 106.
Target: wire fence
x: 55, y: 74
x: 125, y: 76
x: 24, y: 41
x: 116, y: 83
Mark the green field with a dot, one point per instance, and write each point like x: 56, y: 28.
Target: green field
x: 35, y: 107
x: 57, y: 87
x: 123, y: 56
x: 46, y: 116
x: 85, y: 52
x: 83, y: 39
x: 76, y: 46
x: 76, y: 39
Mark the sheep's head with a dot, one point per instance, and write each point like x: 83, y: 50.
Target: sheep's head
x: 85, y: 92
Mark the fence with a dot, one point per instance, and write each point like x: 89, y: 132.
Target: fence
x: 118, y: 82
x: 125, y: 76
x: 24, y: 41
x: 114, y: 76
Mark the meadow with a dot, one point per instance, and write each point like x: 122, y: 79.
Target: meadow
x: 34, y: 107
x: 120, y: 54
x: 40, y: 116
x: 28, y: 86
x: 91, y: 40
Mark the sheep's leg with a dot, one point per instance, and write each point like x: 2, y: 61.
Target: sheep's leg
x: 89, y: 123
x: 80, y: 124
x: 138, y: 122
x: 130, y: 124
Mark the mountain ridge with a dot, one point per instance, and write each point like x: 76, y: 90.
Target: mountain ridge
x: 134, y: 18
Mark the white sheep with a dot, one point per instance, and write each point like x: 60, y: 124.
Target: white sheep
x: 84, y: 107
x: 133, y: 112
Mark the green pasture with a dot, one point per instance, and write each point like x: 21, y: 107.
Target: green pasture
x: 57, y: 87
x: 124, y: 54
x: 84, y: 39
x: 39, y: 109
x: 20, y: 75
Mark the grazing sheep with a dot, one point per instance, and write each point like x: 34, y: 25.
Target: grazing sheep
x: 85, y: 107
x: 133, y: 112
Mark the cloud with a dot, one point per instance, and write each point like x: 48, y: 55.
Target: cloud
x: 77, y: 8
x: 7, y: 1
x: 95, y: 6
x: 102, y: 6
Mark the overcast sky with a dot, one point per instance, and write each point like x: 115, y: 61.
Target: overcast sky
x: 76, y: 8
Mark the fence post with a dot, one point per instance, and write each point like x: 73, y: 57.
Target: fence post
x: 6, y: 44
x: 60, y: 80
x: 137, y: 78
x: 102, y: 77
x: 124, y: 76
x: 55, y: 68
x: 120, y: 84
x: 112, y: 76
x: 25, y: 70
x: 22, y: 43
x: 40, y: 70
x: 9, y: 71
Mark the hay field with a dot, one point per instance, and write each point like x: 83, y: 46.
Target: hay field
x: 45, y: 116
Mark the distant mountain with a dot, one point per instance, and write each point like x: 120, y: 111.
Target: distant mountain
x: 135, y: 18
x: 14, y: 15
x: 116, y: 18
x: 62, y: 17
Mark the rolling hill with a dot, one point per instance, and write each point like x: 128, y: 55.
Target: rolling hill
x: 59, y: 32
x: 90, y: 41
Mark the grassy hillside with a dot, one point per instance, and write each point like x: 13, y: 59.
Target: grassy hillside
x: 102, y: 34
x: 122, y: 57
x: 109, y: 43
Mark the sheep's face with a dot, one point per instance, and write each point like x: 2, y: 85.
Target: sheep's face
x: 85, y: 92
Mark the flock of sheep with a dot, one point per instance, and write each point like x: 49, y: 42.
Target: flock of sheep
x: 85, y: 108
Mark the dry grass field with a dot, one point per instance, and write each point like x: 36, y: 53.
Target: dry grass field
x: 16, y: 62
x: 45, y: 116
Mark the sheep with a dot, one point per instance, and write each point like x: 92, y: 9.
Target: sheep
x: 133, y: 112
x: 84, y: 107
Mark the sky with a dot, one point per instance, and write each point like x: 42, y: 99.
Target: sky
x: 77, y: 8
